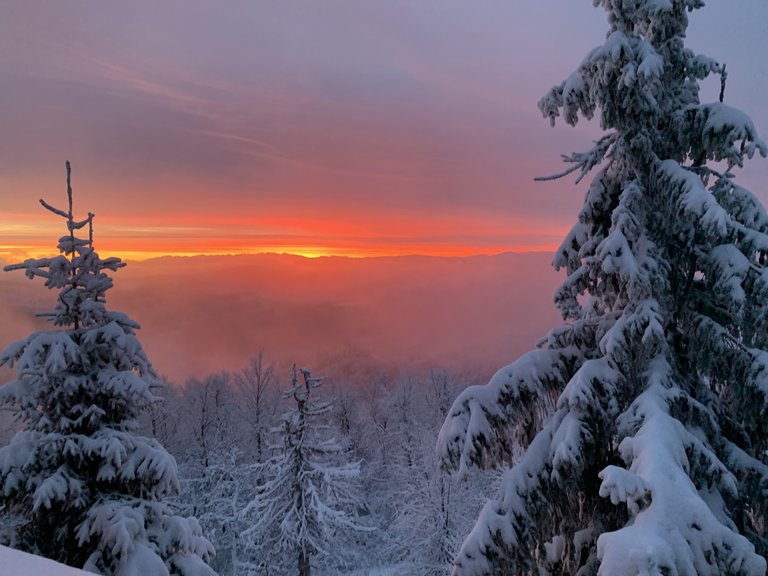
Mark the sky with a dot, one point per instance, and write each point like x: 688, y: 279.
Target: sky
x: 349, y: 127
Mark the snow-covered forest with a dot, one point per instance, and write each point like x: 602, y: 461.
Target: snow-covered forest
x: 402, y: 513
x: 251, y: 472
x: 633, y: 441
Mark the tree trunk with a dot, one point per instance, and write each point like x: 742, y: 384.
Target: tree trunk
x: 303, y: 563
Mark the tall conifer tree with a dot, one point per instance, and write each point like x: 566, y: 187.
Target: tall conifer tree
x: 80, y: 486
x: 644, y: 417
x: 307, y: 505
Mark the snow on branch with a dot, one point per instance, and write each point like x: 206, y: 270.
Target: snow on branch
x: 723, y: 133
x: 477, y: 430
x: 54, y: 210
x: 84, y: 485
x: 584, y: 161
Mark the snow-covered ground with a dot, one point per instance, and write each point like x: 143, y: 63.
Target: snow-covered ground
x: 15, y: 563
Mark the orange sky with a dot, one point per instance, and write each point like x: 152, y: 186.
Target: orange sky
x: 345, y: 127
x: 200, y: 234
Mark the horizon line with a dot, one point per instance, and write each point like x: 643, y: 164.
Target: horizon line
x: 341, y: 255
x: 22, y: 253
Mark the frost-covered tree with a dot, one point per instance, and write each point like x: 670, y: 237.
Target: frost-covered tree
x: 644, y: 417
x: 216, y: 498
x: 82, y: 487
x: 307, y: 505
x: 433, y: 512
x: 257, y: 385
x: 207, y: 408
x: 376, y: 434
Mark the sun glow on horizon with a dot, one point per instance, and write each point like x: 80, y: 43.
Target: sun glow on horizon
x: 17, y: 253
x: 29, y: 235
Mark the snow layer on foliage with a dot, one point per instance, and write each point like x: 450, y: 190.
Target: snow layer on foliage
x: 308, y: 503
x: 696, y: 201
x: 78, y: 482
x: 724, y: 126
x: 134, y: 530
x: 17, y: 563
x: 522, y: 388
x: 522, y: 481
x: 654, y: 460
x: 678, y: 532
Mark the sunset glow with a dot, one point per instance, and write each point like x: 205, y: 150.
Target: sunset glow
x: 226, y: 134
x: 199, y: 235
x: 130, y: 250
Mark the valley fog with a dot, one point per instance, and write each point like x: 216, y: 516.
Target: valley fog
x: 343, y: 317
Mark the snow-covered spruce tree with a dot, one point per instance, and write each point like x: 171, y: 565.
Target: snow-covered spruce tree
x: 83, y: 488
x: 644, y: 417
x: 307, y: 505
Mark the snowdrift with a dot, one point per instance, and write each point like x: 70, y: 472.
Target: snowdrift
x: 15, y: 563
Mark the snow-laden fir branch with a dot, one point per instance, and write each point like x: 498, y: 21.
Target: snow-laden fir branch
x: 80, y: 486
x: 645, y: 418
x: 584, y: 161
